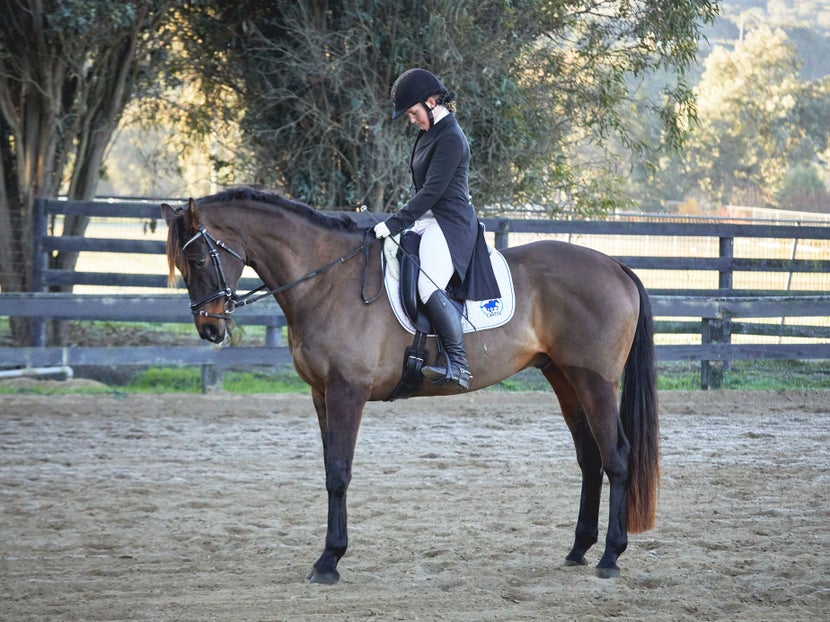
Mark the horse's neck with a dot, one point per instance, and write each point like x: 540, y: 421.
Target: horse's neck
x: 291, y: 251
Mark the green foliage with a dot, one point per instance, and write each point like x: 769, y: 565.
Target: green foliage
x: 802, y: 190
x: 761, y: 113
x: 679, y: 380
x: 166, y: 380
x: 80, y: 17
x: 749, y: 375
x: 541, y: 85
x: 67, y: 70
x: 188, y: 380
x: 777, y: 375
x: 741, y: 375
x: 760, y: 127
x: 259, y: 382
x: 748, y: 130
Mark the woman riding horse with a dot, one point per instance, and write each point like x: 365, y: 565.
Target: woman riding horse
x: 452, y: 252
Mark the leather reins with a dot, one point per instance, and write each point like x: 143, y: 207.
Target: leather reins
x: 234, y: 300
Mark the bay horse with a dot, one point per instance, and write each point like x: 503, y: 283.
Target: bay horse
x: 582, y: 318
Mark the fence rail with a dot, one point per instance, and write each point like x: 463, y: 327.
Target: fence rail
x: 717, y: 311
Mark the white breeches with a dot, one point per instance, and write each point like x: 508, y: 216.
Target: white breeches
x: 436, y: 261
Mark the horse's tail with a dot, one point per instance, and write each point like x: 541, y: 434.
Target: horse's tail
x: 638, y: 412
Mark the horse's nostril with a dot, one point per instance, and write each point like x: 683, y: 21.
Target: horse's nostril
x: 212, y: 333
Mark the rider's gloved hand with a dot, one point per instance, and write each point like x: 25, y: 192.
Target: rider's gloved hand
x: 381, y: 230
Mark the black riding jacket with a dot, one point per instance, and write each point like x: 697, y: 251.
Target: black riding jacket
x: 440, y: 165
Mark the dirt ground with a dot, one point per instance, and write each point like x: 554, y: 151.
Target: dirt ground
x: 189, y: 507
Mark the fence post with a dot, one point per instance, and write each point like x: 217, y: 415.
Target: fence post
x: 273, y: 336
x: 711, y: 331
x: 719, y: 331
x: 211, y: 377
x: 40, y: 223
x: 501, y: 233
x: 726, y: 250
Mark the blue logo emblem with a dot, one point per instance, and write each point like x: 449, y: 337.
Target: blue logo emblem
x: 491, y: 308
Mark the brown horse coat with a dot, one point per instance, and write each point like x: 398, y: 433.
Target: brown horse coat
x: 581, y: 317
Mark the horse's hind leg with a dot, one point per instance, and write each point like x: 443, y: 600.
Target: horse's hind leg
x: 590, y: 463
x: 601, y: 446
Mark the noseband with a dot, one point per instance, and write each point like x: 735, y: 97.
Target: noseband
x: 224, y: 291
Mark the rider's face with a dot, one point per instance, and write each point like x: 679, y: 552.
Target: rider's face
x: 417, y: 114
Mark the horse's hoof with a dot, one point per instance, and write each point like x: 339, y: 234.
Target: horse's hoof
x: 608, y: 573
x: 575, y: 561
x: 329, y: 577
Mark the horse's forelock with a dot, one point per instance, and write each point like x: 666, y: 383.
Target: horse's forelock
x: 175, y: 250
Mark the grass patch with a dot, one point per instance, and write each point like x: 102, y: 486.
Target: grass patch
x: 259, y: 382
x: 740, y: 375
x: 743, y: 375
x: 166, y: 380
x: 189, y: 380
x: 749, y: 375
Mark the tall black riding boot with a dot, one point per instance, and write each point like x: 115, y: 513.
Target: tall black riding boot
x: 447, y: 323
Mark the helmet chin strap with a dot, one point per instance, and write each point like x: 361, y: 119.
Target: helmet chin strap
x: 429, y: 113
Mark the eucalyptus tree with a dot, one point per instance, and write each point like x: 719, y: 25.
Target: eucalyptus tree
x: 542, y: 85
x: 758, y: 121
x: 67, y: 68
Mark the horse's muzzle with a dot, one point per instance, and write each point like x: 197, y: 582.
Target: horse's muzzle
x: 215, y: 329
x: 215, y: 333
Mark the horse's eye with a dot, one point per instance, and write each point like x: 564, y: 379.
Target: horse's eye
x: 199, y: 261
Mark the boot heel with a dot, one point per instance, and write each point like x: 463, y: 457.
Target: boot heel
x: 461, y: 382
x: 439, y: 376
x: 447, y: 324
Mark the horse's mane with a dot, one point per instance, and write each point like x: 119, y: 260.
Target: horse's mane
x: 341, y: 222
x: 176, y: 232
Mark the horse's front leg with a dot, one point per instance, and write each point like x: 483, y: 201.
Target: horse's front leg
x: 339, y: 412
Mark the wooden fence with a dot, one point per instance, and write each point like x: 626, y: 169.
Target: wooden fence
x: 714, y: 314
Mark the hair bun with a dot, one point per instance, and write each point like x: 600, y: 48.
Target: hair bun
x: 446, y: 98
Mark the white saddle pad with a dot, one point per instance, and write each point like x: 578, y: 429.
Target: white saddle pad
x: 478, y: 314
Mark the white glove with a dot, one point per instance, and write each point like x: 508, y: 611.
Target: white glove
x: 381, y: 230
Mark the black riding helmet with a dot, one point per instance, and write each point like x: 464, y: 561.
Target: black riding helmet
x: 414, y: 86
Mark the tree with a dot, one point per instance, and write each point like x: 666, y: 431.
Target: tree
x: 802, y: 190
x: 67, y: 69
x: 757, y: 120
x: 540, y: 87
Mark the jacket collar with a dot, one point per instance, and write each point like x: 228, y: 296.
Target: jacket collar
x: 436, y: 130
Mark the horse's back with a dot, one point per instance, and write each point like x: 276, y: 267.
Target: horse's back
x: 580, y: 301
x: 575, y: 271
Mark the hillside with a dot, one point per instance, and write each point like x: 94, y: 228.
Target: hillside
x: 806, y: 22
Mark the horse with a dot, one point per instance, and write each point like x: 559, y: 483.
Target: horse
x: 582, y: 318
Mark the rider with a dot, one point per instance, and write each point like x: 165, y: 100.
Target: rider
x: 453, y: 253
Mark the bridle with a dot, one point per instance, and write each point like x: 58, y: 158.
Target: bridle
x: 234, y: 300
x: 224, y: 290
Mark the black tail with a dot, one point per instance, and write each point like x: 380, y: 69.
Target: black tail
x: 638, y: 412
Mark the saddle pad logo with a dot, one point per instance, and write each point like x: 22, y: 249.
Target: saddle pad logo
x: 491, y: 308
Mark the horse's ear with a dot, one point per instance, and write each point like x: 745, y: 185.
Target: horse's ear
x: 169, y: 213
x: 192, y: 214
